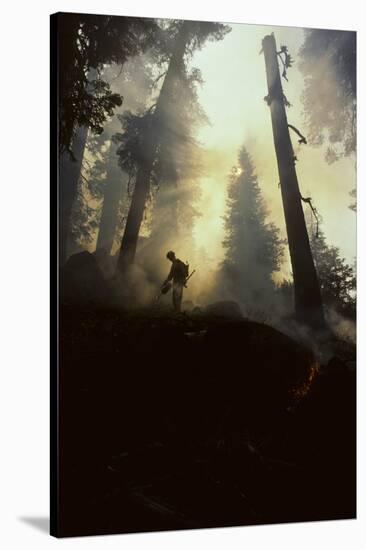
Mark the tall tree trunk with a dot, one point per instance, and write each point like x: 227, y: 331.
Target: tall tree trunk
x: 111, y: 201
x: 165, y: 212
x: 149, y: 147
x: 69, y: 174
x: 308, y: 302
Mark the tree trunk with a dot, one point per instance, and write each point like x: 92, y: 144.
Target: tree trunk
x: 69, y: 174
x: 308, y: 302
x: 149, y: 147
x: 111, y: 201
x: 165, y: 212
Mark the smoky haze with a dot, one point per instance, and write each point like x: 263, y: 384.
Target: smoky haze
x: 233, y: 100
x: 188, y: 199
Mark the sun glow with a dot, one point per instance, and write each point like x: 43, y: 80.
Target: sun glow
x: 232, y: 97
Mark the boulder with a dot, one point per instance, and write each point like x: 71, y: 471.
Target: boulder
x: 82, y: 281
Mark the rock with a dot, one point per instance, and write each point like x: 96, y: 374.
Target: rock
x: 82, y: 281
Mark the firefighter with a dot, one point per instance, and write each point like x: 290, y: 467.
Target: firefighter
x: 178, y: 274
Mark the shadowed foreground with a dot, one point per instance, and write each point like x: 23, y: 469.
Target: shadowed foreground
x: 198, y: 421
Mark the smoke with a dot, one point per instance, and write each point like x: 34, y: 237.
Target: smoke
x: 343, y: 328
x: 188, y: 203
x: 136, y: 289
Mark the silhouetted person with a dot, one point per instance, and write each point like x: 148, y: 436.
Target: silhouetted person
x: 178, y: 274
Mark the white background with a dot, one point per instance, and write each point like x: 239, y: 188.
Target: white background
x: 24, y: 285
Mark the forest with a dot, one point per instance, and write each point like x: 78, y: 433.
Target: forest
x: 223, y: 394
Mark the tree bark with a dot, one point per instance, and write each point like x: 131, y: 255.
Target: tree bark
x: 69, y: 174
x: 111, y: 201
x: 149, y: 147
x: 308, y: 302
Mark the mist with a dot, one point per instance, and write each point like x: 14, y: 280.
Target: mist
x: 214, y: 114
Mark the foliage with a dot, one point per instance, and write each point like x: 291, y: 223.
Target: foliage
x: 86, y: 209
x: 337, y: 278
x: 85, y: 218
x: 169, y: 130
x: 328, y: 63
x: 254, y: 249
x: 199, y: 32
x: 130, y: 141
x: 101, y: 169
x: 88, y: 42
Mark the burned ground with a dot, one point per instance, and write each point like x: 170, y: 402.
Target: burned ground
x: 198, y: 421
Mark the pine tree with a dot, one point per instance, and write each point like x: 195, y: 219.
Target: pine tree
x: 253, y: 247
x: 337, y: 278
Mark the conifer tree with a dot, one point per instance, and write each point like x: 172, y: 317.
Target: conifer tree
x: 253, y: 247
x: 337, y: 278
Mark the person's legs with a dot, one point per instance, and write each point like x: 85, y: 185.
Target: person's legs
x: 177, y: 296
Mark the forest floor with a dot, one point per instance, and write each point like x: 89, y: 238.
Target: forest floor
x: 176, y: 422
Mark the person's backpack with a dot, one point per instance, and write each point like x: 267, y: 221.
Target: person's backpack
x: 182, y: 269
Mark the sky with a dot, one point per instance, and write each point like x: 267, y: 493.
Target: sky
x: 232, y: 96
